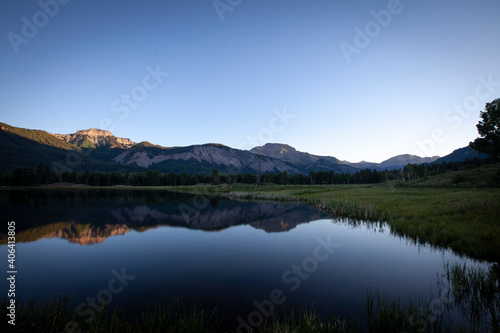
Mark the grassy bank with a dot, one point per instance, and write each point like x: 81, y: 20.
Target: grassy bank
x: 465, y: 219
x: 467, y: 177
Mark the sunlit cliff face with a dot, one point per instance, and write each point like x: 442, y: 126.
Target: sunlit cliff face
x: 90, y: 235
x: 97, y: 137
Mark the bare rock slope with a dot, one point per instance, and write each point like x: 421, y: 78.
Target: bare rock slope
x: 94, y: 137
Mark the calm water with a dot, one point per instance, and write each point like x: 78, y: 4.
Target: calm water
x: 149, y: 247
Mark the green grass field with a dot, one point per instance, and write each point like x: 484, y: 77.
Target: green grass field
x: 463, y: 219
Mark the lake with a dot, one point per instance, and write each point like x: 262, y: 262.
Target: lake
x: 137, y: 248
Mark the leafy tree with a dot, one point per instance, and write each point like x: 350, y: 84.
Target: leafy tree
x: 183, y: 179
x: 171, y: 179
x: 39, y: 174
x: 65, y: 176
x: 105, y: 179
x: 117, y: 178
x: 85, y: 177
x: 153, y: 178
x: 74, y: 177
x: 283, y: 177
x: 214, y: 177
x: 22, y: 177
x: 489, y: 130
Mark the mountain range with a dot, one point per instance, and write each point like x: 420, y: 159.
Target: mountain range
x: 99, y: 150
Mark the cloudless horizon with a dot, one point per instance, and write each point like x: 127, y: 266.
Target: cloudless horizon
x: 364, y: 80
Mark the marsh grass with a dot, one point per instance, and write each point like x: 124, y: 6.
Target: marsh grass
x: 476, y: 293
x: 343, y: 208
x: 60, y: 316
x: 385, y: 315
x: 309, y: 321
x: 464, y: 220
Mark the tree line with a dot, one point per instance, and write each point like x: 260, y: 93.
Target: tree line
x: 43, y: 175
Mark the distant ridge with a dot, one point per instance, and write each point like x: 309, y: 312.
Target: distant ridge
x: 202, y: 158
x: 326, y: 163
x: 396, y: 162
x: 99, y: 150
x: 305, y: 161
x: 399, y: 161
x: 461, y: 154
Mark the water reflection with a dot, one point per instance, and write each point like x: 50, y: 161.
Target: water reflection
x: 90, y: 217
x: 221, y: 254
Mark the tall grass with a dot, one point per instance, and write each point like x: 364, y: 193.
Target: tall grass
x: 476, y: 293
x: 309, y: 322
x: 385, y: 315
x: 465, y: 220
x: 60, y: 316
x: 341, y: 208
x: 471, y: 304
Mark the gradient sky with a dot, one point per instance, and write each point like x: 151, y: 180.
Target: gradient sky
x: 416, y: 86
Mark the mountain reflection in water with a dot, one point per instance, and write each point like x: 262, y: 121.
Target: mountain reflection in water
x: 214, y: 253
x: 84, y: 219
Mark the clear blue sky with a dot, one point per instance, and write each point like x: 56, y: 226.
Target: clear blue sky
x: 232, y: 68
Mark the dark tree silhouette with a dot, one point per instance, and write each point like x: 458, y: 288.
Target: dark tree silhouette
x: 489, y: 130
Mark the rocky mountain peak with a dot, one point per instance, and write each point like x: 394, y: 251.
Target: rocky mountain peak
x: 274, y: 149
x: 94, y: 132
x: 97, y: 137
